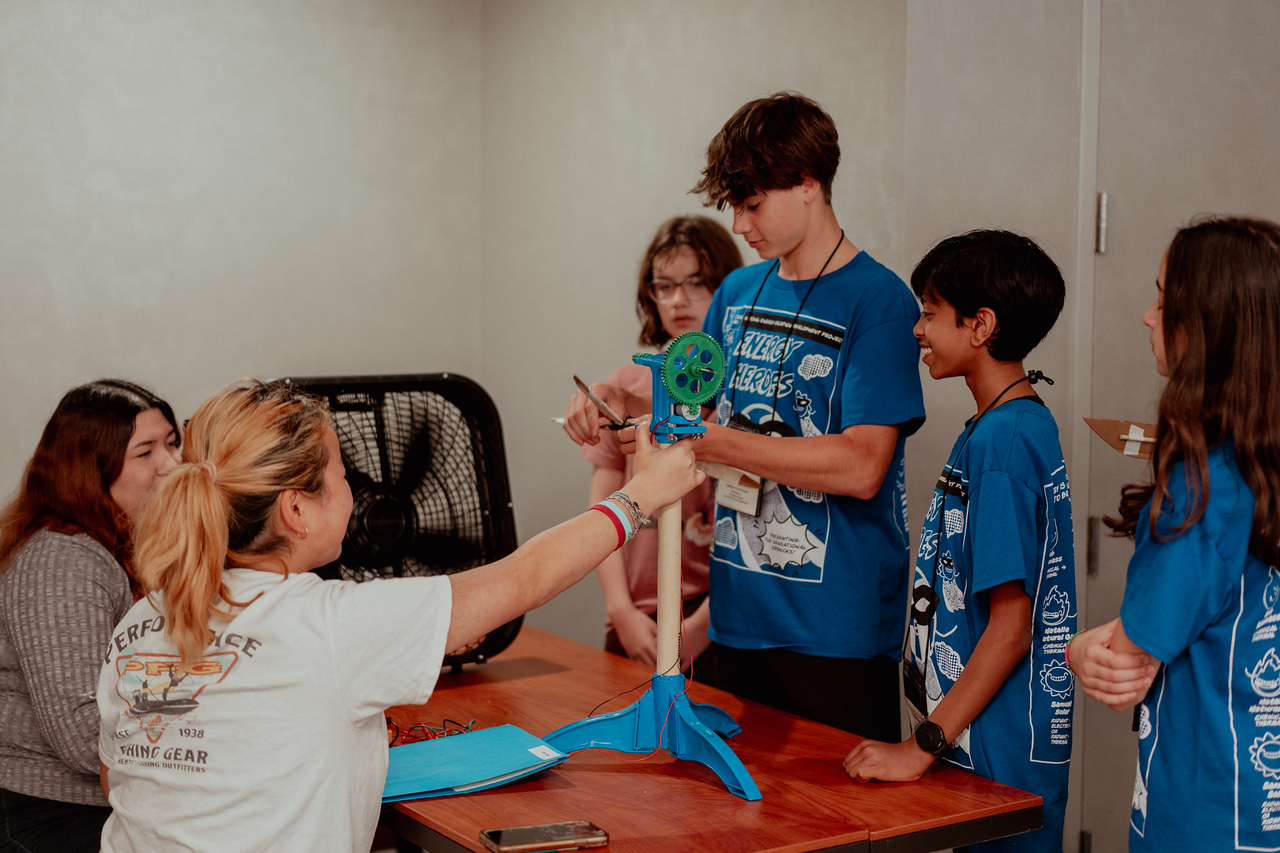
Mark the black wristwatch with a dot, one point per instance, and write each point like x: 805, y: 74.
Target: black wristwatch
x: 931, y: 738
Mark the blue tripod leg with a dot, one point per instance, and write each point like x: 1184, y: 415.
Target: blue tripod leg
x: 663, y: 718
x: 688, y: 738
x: 716, y: 719
x: 628, y: 730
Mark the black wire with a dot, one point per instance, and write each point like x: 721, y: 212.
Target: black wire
x: 777, y: 381
x: 679, y: 655
x: 458, y: 725
x: 644, y: 683
x: 1032, y: 377
x: 431, y: 731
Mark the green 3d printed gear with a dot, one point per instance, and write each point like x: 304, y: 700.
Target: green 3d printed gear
x: 693, y: 368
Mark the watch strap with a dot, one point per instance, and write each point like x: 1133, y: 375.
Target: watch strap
x: 931, y: 738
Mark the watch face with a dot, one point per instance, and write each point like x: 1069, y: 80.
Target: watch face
x: 930, y: 737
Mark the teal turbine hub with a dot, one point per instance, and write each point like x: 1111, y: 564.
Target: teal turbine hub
x: 685, y: 377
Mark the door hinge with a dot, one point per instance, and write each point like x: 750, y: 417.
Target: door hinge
x: 1100, y: 225
x: 1086, y: 841
x: 1091, y: 547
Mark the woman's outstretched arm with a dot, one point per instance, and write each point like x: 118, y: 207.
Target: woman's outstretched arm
x: 556, y: 559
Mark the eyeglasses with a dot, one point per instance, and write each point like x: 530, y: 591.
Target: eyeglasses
x: 663, y: 290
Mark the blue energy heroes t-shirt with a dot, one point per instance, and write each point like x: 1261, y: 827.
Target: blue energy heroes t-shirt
x: 819, y: 574
x: 1001, y: 512
x: 1209, y: 731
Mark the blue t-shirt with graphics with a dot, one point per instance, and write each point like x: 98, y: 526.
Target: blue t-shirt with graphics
x: 1001, y: 513
x: 1209, y: 731
x: 819, y: 574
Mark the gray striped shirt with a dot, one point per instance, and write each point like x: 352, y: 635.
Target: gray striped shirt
x: 59, y: 600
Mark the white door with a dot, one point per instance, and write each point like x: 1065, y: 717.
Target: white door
x: 1189, y: 123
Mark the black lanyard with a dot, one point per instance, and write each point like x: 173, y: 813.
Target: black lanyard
x: 777, y: 379
x: 948, y: 473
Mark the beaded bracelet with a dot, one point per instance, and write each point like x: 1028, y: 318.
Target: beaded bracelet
x: 638, y: 518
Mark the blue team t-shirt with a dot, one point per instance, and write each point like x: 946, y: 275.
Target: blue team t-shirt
x: 1001, y: 513
x: 819, y: 574
x: 1209, y: 731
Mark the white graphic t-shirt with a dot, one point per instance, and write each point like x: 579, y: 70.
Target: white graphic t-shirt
x: 275, y: 740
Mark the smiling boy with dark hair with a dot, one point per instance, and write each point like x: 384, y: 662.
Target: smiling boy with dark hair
x: 993, y: 603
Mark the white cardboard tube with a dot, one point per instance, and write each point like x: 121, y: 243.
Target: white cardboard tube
x: 669, y: 552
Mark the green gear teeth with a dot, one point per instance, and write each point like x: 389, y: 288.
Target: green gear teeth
x: 693, y: 368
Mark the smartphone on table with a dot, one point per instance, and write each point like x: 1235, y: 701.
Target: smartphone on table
x: 569, y: 835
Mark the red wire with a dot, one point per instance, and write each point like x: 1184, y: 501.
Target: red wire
x: 684, y: 634
x: 661, y: 732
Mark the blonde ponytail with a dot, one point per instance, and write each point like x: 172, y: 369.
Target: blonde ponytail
x: 243, y: 447
x: 181, y: 550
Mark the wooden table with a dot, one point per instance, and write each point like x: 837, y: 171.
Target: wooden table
x: 543, y: 682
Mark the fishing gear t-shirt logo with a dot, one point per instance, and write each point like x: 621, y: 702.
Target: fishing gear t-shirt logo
x: 160, y: 689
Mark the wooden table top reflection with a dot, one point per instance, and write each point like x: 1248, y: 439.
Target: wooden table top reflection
x: 543, y: 682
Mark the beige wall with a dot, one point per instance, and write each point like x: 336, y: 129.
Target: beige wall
x: 189, y: 194
x: 991, y: 142
x: 192, y: 192
x: 596, y: 122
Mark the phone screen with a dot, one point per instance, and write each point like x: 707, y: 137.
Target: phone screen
x: 547, y: 836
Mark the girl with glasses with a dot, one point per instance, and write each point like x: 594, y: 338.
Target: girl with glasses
x: 684, y: 264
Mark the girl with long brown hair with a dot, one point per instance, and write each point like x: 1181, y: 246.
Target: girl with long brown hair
x: 65, y: 580
x: 1196, y: 639
x: 242, y: 699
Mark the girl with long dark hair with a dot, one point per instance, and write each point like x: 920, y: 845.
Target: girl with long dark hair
x: 1196, y: 641
x: 66, y: 558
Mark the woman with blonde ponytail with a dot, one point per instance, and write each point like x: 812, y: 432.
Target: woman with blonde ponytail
x: 242, y: 697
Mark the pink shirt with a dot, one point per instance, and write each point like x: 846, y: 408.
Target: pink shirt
x: 640, y: 555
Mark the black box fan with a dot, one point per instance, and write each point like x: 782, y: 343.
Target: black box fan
x: 428, y: 475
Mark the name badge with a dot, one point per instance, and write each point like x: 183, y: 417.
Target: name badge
x: 737, y: 489
x: 740, y: 491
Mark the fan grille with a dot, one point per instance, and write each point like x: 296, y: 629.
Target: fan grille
x: 377, y: 434
x: 428, y: 476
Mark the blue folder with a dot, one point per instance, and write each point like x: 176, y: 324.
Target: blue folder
x: 460, y: 764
